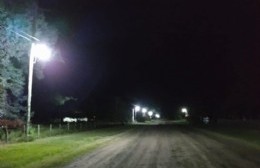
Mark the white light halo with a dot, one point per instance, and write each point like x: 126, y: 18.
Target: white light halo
x: 41, y: 51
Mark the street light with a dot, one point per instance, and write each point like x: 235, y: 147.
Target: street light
x: 144, y: 110
x: 150, y: 113
x: 134, y: 110
x: 157, y: 116
x: 185, y: 111
x: 37, y: 51
x: 41, y: 52
x: 137, y: 108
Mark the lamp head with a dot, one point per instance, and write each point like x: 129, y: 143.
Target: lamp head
x: 144, y: 110
x: 137, y: 108
x: 41, y: 51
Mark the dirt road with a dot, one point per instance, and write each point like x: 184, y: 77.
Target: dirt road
x: 166, y: 146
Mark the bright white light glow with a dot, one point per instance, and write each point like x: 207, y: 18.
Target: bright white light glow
x: 144, y: 110
x: 184, y: 110
x: 83, y: 119
x: 137, y: 108
x: 68, y: 119
x: 41, y: 51
x: 150, y: 113
x: 157, y: 116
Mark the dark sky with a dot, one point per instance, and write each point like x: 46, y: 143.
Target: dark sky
x: 201, y: 54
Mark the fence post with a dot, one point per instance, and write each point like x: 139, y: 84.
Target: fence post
x: 68, y: 126
x: 24, y: 129
x: 6, y: 133
x: 38, y: 130
x: 50, y: 128
x: 60, y: 128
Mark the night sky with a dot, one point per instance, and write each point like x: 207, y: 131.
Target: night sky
x: 200, y: 54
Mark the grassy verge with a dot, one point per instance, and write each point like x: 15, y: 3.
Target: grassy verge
x: 54, y: 151
x: 243, y: 132
x: 250, y: 136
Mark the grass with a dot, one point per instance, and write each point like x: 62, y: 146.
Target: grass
x: 244, y: 131
x: 252, y: 136
x: 54, y: 151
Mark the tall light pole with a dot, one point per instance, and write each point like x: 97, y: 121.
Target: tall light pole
x: 29, y: 97
x: 42, y: 52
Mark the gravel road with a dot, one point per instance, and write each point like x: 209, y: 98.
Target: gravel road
x: 166, y: 146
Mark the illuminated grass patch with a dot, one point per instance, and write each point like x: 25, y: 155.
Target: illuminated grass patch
x: 54, y: 151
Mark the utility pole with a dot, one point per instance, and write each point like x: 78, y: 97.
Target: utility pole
x: 31, y: 63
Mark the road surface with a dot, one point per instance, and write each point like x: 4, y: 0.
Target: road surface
x: 166, y: 146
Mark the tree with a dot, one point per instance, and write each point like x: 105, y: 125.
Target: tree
x: 14, y: 50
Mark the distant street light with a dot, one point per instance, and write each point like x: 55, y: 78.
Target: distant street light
x: 185, y: 111
x: 157, y: 116
x: 144, y: 110
x: 150, y: 113
x: 137, y: 108
x: 134, y: 110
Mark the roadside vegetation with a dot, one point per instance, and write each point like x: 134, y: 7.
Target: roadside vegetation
x: 55, y: 151
x: 41, y: 131
x: 247, y: 132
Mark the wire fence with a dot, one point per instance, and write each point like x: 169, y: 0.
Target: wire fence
x: 8, y: 135
x: 36, y: 131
